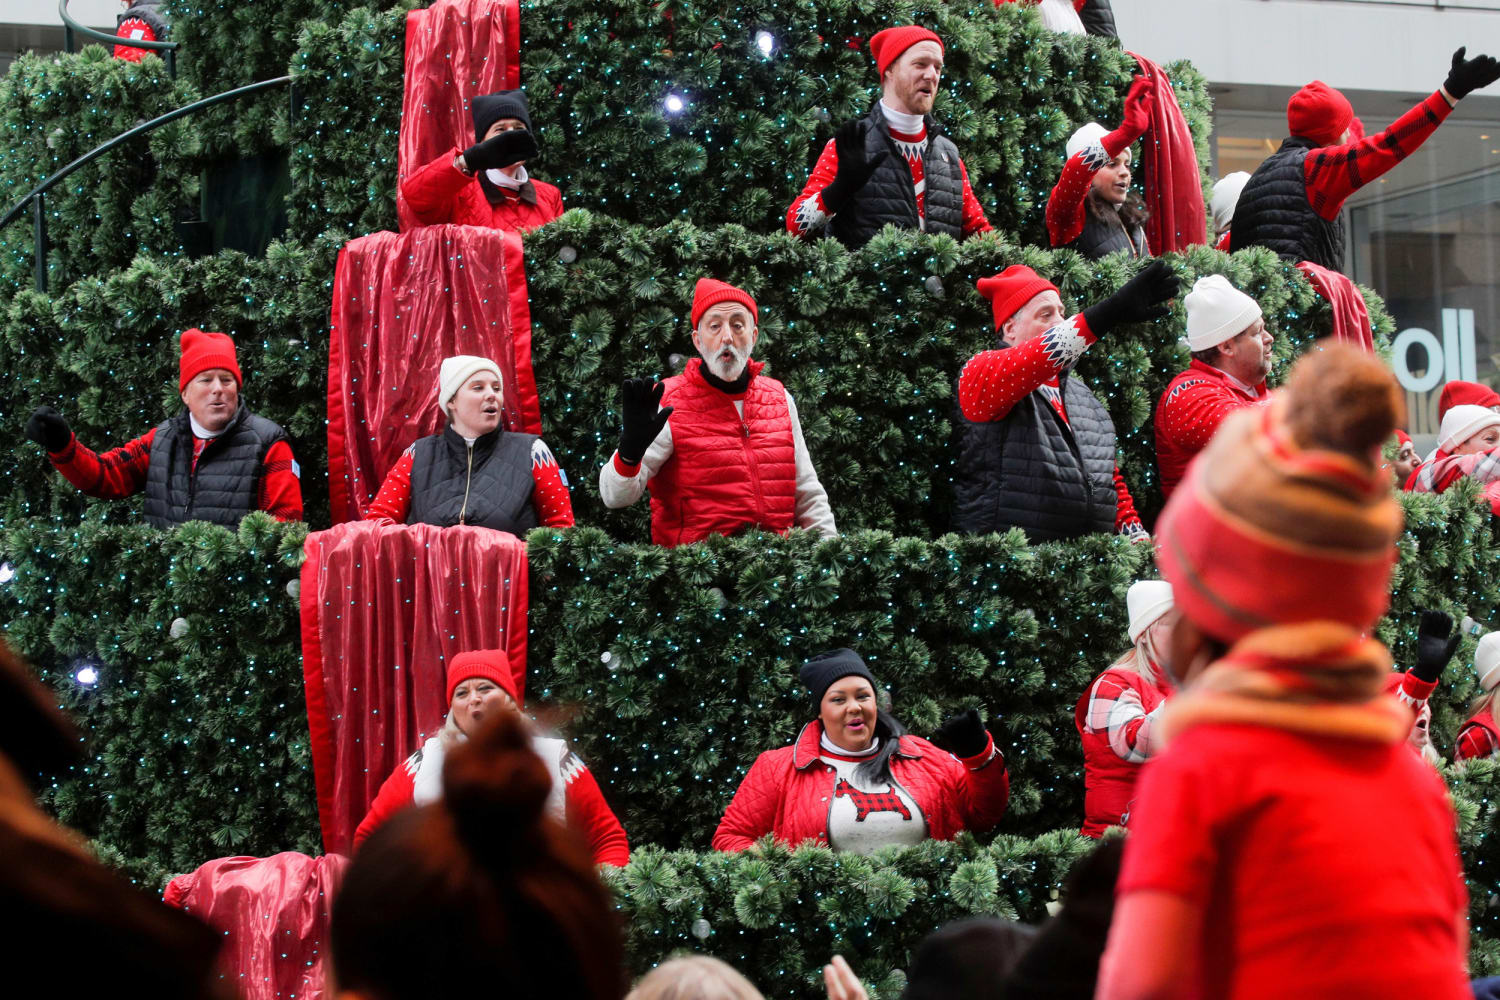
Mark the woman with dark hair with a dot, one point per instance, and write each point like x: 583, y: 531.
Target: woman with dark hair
x: 856, y: 781
x: 480, y: 886
x: 1092, y: 209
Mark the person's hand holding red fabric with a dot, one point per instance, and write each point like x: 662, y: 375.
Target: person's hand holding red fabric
x: 1139, y: 102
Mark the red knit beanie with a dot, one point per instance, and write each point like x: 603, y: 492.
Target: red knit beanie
x: 1320, y: 113
x: 489, y: 664
x: 1011, y: 289
x: 1465, y: 394
x: 1402, y: 437
x: 1269, y: 531
x: 202, y: 351
x: 709, y: 293
x: 888, y: 45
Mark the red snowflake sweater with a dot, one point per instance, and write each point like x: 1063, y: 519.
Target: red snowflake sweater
x: 808, y: 215
x: 554, y: 508
x: 993, y: 382
x: 1191, y: 409
x: 121, y: 472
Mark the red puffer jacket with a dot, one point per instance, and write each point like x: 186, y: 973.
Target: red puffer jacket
x: 440, y: 192
x: 789, y: 792
x: 726, y: 473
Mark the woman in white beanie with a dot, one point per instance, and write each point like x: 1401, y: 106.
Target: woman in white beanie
x: 475, y: 471
x: 1091, y: 209
x: 1468, y: 445
x: 1117, y: 715
x: 1480, y: 736
x: 1221, y: 205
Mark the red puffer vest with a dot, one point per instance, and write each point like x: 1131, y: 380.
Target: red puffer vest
x: 726, y: 473
x: 789, y: 792
x: 1108, y: 779
x: 1482, y: 719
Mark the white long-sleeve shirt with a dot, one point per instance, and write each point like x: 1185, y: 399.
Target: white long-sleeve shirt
x: 619, y: 488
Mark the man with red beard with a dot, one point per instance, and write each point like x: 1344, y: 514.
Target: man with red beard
x: 720, y: 445
x: 894, y: 166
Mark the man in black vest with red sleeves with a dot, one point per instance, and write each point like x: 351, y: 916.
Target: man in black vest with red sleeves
x: 1291, y: 203
x: 214, y: 461
x: 893, y: 166
x: 1036, y: 449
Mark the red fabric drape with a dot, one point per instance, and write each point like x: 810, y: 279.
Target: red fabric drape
x: 1351, y: 320
x: 383, y: 609
x: 273, y: 916
x: 1174, y: 188
x: 456, y: 50
x: 401, y: 304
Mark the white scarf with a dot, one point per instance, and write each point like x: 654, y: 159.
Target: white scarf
x: 505, y: 180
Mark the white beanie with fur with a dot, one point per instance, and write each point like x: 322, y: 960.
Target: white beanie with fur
x: 1464, y: 421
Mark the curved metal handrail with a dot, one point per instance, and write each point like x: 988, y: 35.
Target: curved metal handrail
x: 72, y: 26
x: 35, y: 196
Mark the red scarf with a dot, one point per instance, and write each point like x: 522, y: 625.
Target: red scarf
x: 1174, y: 188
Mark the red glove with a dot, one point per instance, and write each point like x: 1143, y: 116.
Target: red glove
x: 1138, y: 104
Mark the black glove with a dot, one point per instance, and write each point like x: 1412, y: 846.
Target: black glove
x: 963, y: 735
x: 641, y: 415
x: 1470, y: 74
x: 855, y: 167
x: 1434, y: 647
x: 501, y: 150
x: 1142, y: 298
x: 48, y: 429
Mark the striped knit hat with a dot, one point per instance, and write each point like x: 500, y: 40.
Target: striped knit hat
x: 1286, y: 516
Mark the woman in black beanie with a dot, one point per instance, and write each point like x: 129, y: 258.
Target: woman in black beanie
x: 856, y: 781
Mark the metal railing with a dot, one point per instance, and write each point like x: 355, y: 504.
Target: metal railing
x: 72, y: 27
x: 36, y: 197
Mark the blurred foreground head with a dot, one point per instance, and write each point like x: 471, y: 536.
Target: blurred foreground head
x: 481, y: 889
x: 81, y: 929
x: 1286, y: 516
x: 694, y: 977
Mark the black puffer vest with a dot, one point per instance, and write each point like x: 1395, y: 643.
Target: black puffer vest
x: 888, y: 196
x: 1098, y: 18
x: 488, y: 485
x: 1100, y: 239
x: 1274, y: 212
x: 1032, y: 470
x: 225, y: 486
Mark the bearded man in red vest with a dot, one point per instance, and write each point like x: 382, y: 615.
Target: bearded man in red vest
x: 719, y: 446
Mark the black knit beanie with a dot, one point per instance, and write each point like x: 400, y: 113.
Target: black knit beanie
x: 490, y: 108
x: 822, y: 670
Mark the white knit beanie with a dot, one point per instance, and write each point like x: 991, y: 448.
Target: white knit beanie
x: 1463, y: 422
x: 455, y: 371
x: 1216, y: 311
x: 1147, y: 600
x: 1226, y: 195
x: 1088, y: 135
x: 1487, y: 661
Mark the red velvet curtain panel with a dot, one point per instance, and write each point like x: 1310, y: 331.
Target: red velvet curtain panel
x: 456, y: 50
x: 272, y: 914
x: 384, y: 608
x: 1351, y: 318
x: 1174, y: 187
x: 401, y: 304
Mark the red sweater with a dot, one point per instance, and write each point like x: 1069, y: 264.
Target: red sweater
x: 1116, y: 719
x: 587, y: 812
x: 993, y: 382
x: 1191, y: 409
x: 554, y: 508
x: 1321, y: 866
x: 1333, y: 173
x: 807, y: 215
x: 439, y: 192
x: 788, y: 792
x: 121, y: 472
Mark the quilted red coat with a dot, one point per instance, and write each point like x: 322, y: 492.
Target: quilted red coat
x: 789, y: 792
x: 726, y: 472
x: 439, y: 192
